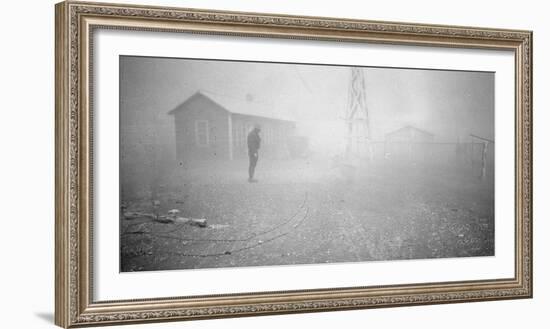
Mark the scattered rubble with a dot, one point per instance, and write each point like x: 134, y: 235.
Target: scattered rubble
x: 173, y: 212
x: 166, y: 219
x: 131, y: 215
x: 200, y: 222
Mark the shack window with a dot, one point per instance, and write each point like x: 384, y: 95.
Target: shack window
x: 201, y: 133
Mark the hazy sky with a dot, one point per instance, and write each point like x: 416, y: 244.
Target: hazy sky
x: 449, y: 104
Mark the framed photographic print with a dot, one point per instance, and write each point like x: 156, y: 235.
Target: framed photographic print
x: 216, y: 164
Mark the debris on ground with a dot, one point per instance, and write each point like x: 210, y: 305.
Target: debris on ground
x: 173, y: 212
x: 200, y: 222
x: 167, y: 219
x: 218, y: 226
x: 164, y: 219
x: 131, y: 215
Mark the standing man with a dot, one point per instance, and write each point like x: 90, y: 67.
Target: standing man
x: 253, y: 141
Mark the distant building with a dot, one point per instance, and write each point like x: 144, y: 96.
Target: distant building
x: 408, y: 144
x: 213, y: 127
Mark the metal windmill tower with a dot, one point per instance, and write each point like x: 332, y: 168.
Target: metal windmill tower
x: 357, y: 117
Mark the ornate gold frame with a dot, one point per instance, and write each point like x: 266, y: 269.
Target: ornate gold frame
x: 75, y: 21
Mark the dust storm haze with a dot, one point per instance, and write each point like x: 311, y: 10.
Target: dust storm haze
x: 407, y: 176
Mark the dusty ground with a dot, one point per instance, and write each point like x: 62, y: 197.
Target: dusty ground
x: 305, y: 211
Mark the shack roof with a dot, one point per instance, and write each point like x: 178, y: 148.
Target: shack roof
x: 235, y: 105
x: 409, y: 128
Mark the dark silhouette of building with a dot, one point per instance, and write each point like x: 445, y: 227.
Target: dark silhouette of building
x: 210, y: 126
x: 408, y: 144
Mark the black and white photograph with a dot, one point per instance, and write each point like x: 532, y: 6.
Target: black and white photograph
x: 239, y: 163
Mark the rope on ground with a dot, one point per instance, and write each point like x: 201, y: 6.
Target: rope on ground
x: 234, y: 251
x: 237, y: 250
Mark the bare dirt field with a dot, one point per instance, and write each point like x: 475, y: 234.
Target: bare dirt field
x: 308, y: 211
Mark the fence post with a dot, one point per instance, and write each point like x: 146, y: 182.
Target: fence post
x: 484, y: 160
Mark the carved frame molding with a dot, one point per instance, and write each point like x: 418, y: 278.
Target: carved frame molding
x: 76, y: 22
